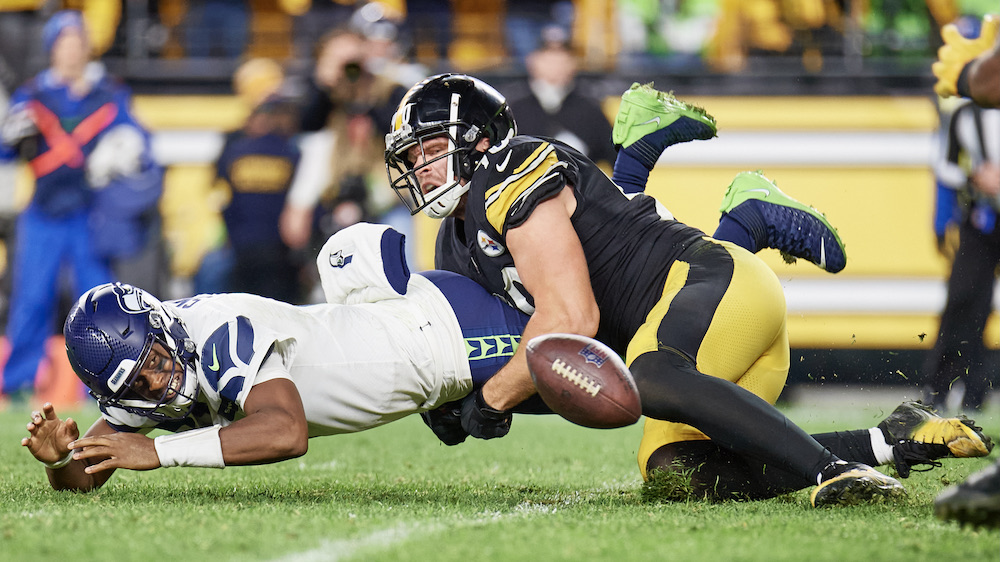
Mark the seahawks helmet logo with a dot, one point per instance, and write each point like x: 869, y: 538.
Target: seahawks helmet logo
x: 130, y: 299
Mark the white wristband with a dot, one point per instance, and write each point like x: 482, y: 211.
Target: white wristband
x: 61, y: 462
x: 198, y: 447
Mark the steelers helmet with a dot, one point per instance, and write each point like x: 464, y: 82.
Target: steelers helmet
x: 459, y: 108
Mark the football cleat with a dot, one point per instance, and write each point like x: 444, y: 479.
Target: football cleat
x: 645, y: 110
x: 975, y: 501
x: 918, y: 435
x: 853, y: 483
x: 796, y: 230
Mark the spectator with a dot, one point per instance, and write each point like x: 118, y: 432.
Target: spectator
x: 314, y: 18
x: 356, y: 107
x: 959, y: 352
x: 552, y: 105
x: 257, y: 165
x: 21, y: 51
x: 525, y: 20
x: 56, y: 122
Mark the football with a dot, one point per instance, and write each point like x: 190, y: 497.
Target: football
x: 583, y: 380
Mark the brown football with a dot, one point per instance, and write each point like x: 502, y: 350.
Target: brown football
x: 582, y: 380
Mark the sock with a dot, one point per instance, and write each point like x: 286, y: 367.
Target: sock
x: 881, y: 449
x: 630, y: 173
x: 648, y: 149
x: 749, y: 216
x: 730, y: 230
x: 854, y: 446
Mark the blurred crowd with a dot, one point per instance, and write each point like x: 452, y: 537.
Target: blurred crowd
x: 715, y: 35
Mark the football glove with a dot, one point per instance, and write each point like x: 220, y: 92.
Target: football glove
x: 958, y: 52
x: 481, y: 421
x: 118, y: 153
x: 18, y: 125
x: 446, y: 423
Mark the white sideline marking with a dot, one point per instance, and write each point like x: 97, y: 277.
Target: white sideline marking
x: 382, y: 539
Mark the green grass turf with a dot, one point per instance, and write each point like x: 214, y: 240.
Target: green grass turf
x: 548, y: 491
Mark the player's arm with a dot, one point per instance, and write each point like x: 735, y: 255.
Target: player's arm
x: 984, y: 78
x: 551, y: 264
x: 970, y: 67
x: 273, y: 430
x: 50, y: 442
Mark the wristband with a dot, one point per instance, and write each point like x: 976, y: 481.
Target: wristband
x: 962, y: 84
x: 61, y: 462
x: 198, y: 447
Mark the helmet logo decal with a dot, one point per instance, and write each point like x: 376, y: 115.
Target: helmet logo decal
x: 130, y: 299
x: 490, y: 247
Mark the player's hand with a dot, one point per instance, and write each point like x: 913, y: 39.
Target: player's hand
x: 118, y: 450
x: 446, y: 423
x: 481, y: 421
x: 957, y: 51
x: 986, y: 179
x: 50, y: 437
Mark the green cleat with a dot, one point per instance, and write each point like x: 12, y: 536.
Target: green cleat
x: 797, y: 230
x: 645, y: 110
x: 856, y: 484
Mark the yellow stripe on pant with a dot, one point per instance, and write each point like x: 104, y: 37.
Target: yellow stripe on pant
x: 745, y: 342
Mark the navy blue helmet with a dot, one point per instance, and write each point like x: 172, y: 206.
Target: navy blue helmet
x: 111, y: 331
x: 456, y: 106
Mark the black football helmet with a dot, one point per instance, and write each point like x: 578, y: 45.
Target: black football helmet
x: 109, y: 334
x: 456, y: 106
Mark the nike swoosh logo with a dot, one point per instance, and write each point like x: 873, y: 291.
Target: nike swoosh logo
x: 822, y: 253
x: 766, y: 192
x: 654, y: 121
x: 215, y: 360
x: 503, y: 165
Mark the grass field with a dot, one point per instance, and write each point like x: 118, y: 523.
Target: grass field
x: 548, y: 491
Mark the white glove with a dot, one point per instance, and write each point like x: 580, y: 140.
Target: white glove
x: 118, y: 153
x: 19, y: 124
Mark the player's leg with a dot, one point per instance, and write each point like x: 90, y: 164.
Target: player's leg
x: 649, y: 121
x: 757, y: 215
x: 959, y: 346
x: 40, y: 247
x: 670, y: 348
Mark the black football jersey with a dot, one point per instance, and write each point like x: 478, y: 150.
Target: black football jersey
x: 629, y: 241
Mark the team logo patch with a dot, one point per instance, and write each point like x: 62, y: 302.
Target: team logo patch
x: 490, y: 247
x: 593, y: 355
x: 337, y: 259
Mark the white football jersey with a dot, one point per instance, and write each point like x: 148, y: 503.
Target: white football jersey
x: 356, y: 366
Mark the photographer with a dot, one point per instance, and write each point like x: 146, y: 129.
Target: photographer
x: 354, y: 106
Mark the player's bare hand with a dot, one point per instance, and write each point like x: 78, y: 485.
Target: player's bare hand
x: 50, y: 437
x: 117, y: 450
x: 986, y: 179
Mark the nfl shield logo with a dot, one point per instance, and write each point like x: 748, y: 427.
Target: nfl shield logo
x: 593, y: 355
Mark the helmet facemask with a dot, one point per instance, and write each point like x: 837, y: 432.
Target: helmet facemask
x: 178, y: 395
x: 112, y: 332
x: 441, y: 201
